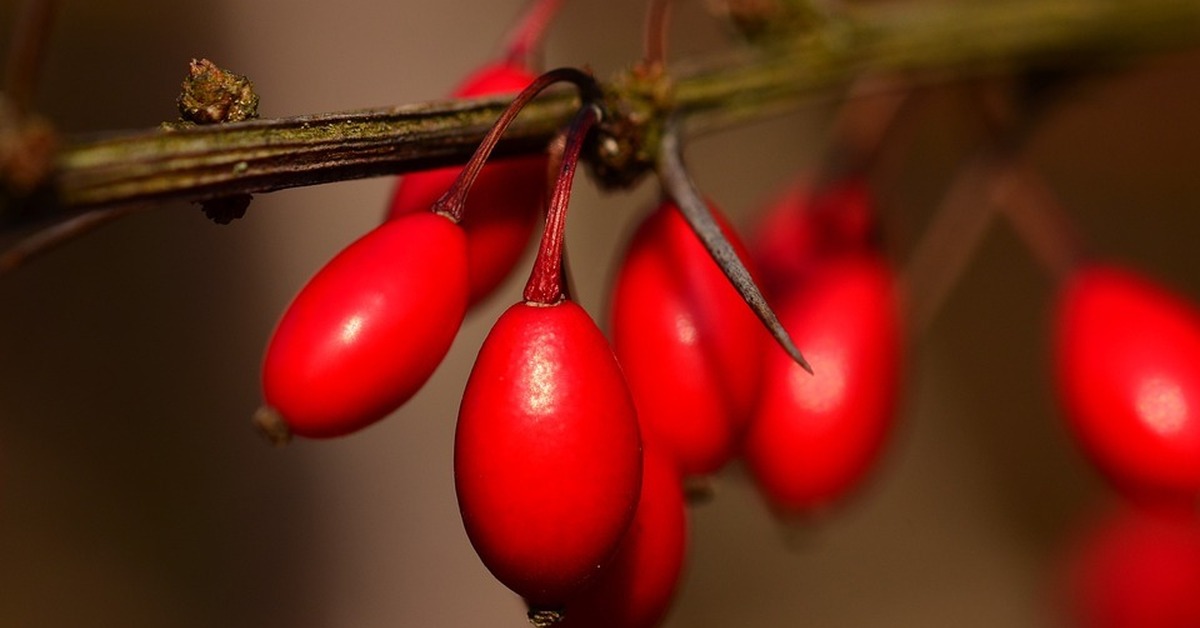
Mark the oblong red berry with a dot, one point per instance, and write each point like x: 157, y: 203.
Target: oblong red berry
x: 636, y: 589
x: 802, y: 228
x: 504, y: 203
x: 547, y: 456
x: 369, y: 328
x: 1136, y: 569
x: 814, y: 437
x: 690, y: 346
x: 1127, y: 366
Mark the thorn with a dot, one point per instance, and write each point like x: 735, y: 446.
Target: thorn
x: 682, y: 190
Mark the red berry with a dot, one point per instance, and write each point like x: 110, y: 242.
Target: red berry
x: 505, y: 202
x: 636, y: 589
x: 1128, y: 372
x: 547, y: 457
x: 814, y: 437
x: 801, y: 229
x: 1138, y: 569
x: 369, y: 328
x: 690, y: 346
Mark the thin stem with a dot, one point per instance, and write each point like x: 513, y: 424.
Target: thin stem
x: 1035, y: 213
x: 679, y: 186
x: 526, y: 38
x: 25, y: 53
x: 555, y: 151
x: 987, y: 185
x: 56, y: 235
x: 545, y: 285
x: 949, y: 242
x: 453, y: 202
x: 658, y: 22
x: 868, y: 121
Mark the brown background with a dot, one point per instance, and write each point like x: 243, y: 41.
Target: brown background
x: 133, y: 493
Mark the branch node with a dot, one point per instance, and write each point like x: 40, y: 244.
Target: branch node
x: 28, y: 148
x: 626, y: 142
x: 212, y: 94
x: 226, y: 209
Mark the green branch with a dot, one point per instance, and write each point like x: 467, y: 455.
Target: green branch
x: 923, y: 40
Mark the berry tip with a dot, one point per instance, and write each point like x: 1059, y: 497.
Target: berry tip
x: 545, y: 617
x: 272, y: 426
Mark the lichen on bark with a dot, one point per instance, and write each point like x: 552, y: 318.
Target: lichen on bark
x: 213, y: 94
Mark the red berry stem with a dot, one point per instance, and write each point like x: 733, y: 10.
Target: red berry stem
x: 556, y: 148
x: 451, y: 203
x: 526, y: 38
x: 1034, y: 212
x: 545, y: 284
x: 679, y: 186
x: 26, y: 51
x: 868, y: 126
x: 658, y: 19
x: 949, y: 241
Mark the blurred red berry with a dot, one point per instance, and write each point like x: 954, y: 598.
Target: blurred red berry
x: 814, y: 437
x: 803, y: 228
x: 1127, y: 365
x: 636, y: 589
x: 1138, y: 569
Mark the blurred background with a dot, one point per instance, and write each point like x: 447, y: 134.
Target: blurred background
x: 133, y: 490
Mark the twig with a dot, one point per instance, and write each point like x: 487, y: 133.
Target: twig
x: 50, y: 238
x: 938, y: 42
x: 25, y: 53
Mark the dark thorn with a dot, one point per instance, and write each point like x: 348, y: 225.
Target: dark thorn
x: 680, y: 187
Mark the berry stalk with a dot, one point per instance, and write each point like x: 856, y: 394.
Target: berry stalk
x: 451, y: 203
x: 526, y: 38
x: 1034, y: 212
x: 26, y: 51
x: 545, y: 284
x: 658, y: 21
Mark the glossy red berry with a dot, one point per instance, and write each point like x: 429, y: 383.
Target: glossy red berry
x: 369, y: 328
x: 636, y: 588
x: 1137, y: 569
x: 803, y: 228
x: 690, y: 346
x: 547, y: 456
x: 1127, y: 356
x: 505, y: 201
x: 814, y: 437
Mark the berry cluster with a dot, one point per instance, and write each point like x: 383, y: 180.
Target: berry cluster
x: 1127, y: 368
x: 578, y: 450
x: 708, y: 383
x: 551, y: 474
x: 571, y: 454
